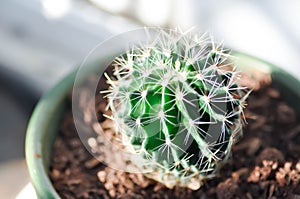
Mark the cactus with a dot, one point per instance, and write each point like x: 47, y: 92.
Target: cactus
x: 177, y: 104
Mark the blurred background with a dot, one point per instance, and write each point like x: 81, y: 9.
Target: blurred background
x: 42, y: 40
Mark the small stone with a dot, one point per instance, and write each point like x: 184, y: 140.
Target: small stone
x: 298, y: 166
x: 254, y: 175
x: 287, y: 166
x: 108, y: 186
x: 128, y: 184
x: 194, y: 184
x: 265, y: 172
x: 275, y: 165
x: 121, y: 189
x: 112, y: 193
x: 280, y: 177
x: 55, y: 173
x: 102, y: 176
x: 140, y: 180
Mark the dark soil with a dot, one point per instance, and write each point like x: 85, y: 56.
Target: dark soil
x: 265, y: 162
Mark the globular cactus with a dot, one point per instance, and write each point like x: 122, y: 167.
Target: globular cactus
x: 177, y: 104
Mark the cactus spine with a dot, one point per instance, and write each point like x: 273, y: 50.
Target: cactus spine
x: 177, y: 104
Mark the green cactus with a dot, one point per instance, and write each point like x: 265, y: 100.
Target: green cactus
x: 177, y: 104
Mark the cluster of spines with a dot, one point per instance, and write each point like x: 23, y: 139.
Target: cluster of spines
x: 176, y: 103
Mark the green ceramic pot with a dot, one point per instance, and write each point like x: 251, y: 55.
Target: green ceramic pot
x: 44, y: 123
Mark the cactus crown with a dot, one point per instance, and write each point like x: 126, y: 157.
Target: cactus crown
x: 177, y: 104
